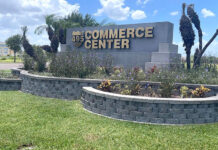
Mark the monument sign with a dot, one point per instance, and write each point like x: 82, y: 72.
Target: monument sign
x: 143, y: 45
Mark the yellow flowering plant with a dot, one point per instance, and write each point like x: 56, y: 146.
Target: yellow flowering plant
x: 200, y: 91
x: 105, y: 86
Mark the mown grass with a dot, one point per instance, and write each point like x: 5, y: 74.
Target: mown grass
x: 56, y: 124
x: 10, y: 59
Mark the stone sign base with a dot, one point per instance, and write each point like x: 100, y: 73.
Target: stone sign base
x: 166, y: 57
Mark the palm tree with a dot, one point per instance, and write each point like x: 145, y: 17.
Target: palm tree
x: 56, y: 27
x: 49, y: 26
x: 200, y: 50
x: 26, y: 45
x: 196, y: 21
x: 188, y: 35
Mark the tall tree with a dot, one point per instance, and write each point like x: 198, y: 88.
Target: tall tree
x: 26, y: 45
x: 200, y: 50
x: 14, y: 43
x: 188, y: 35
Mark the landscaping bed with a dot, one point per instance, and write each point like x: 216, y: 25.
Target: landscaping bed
x: 150, y: 109
x: 162, y: 89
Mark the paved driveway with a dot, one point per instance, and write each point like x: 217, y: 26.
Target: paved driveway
x: 8, y: 66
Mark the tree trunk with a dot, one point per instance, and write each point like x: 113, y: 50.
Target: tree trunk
x: 198, y: 60
x: 200, y: 39
x: 14, y: 57
x: 188, y: 60
x: 197, y: 51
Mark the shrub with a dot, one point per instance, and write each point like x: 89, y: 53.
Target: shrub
x: 117, y: 88
x: 38, y: 64
x: 125, y: 90
x: 136, y: 74
x: 118, y: 73
x: 41, y: 59
x: 184, y: 91
x: 105, y: 86
x: 28, y: 62
x: 181, y: 75
x: 74, y: 64
x: 200, y: 91
x: 135, y: 89
x: 131, y: 89
x: 107, y: 63
x: 150, y: 91
x: 167, y: 85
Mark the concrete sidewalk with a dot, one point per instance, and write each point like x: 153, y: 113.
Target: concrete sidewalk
x: 8, y: 66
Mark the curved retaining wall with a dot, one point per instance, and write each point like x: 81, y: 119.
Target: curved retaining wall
x: 151, y: 110
x: 10, y: 84
x: 53, y: 87
x: 71, y: 88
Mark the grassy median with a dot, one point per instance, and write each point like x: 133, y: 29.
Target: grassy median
x: 44, y: 123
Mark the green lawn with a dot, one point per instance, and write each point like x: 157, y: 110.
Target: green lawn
x: 56, y: 124
x: 10, y: 59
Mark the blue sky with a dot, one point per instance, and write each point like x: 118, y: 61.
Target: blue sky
x: 161, y: 10
x: 31, y: 13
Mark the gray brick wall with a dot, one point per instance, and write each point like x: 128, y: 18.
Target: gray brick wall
x: 62, y: 88
x: 71, y: 88
x: 154, y: 110
x: 10, y: 84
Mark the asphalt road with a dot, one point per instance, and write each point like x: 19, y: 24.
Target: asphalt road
x: 8, y: 66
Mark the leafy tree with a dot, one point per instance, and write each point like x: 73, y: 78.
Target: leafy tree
x: 188, y: 35
x: 14, y: 43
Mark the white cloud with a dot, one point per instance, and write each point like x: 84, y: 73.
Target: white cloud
x: 138, y: 14
x: 174, y: 13
x: 155, y: 12
x: 99, y: 12
x: 114, y: 9
x: 139, y: 2
x: 207, y: 13
x: 31, y: 13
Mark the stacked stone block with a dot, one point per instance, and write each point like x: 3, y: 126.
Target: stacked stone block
x: 71, y: 88
x: 150, y: 110
x: 10, y: 84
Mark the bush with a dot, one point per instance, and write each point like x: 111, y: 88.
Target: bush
x: 74, y: 64
x: 28, y: 62
x: 200, y: 91
x: 197, y: 76
x: 40, y: 64
x: 107, y: 63
x: 167, y: 85
x: 184, y: 91
x: 105, y: 86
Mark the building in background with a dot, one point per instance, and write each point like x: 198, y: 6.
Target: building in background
x: 4, y: 50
